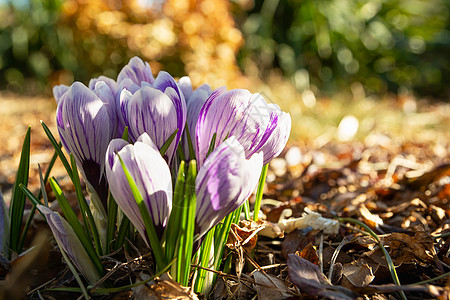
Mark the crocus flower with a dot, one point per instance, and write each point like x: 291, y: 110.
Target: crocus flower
x: 86, y: 121
x: 256, y: 124
x: 194, y: 102
x: 156, y: 107
x: 130, y: 78
x: 152, y: 176
x: 224, y: 182
x: 70, y: 244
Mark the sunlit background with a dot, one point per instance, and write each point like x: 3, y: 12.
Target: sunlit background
x: 299, y: 54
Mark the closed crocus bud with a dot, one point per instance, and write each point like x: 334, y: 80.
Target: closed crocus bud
x: 151, y: 175
x: 130, y: 79
x: 157, y: 109
x: 137, y: 71
x: 256, y: 124
x: 112, y: 84
x: 86, y: 121
x: 225, y: 180
x: 194, y: 102
x: 69, y: 243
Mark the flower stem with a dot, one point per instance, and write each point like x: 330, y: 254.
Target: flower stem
x: 259, y: 192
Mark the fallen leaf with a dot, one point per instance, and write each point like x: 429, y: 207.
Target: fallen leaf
x: 358, y: 274
x: 309, y: 218
x: 270, y: 287
x: 244, y: 234
x: 163, y: 288
x: 311, y: 281
x: 405, y: 249
x: 309, y: 253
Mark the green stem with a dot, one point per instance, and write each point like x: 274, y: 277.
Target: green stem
x: 259, y: 192
x: 112, y: 220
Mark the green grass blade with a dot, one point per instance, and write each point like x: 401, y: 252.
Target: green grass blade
x: 190, y: 145
x: 18, y: 197
x: 33, y: 199
x: 186, y: 237
x: 58, y: 149
x: 75, y: 224
x: 84, y: 207
x: 124, y: 228
x: 205, y: 252
x: 259, y: 192
x: 43, y: 181
x: 212, y: 144
x: 180, y: 152
x: 112, y: 221
x: 173, y: 226
x: 221, y: 237
x: 148, y: 221
x: 125, y: 134
x: 169, y: 141
x: 246, y: 207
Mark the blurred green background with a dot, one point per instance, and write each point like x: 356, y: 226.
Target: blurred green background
x: 319, y: 45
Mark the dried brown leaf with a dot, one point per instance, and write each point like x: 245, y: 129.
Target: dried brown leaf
x: 270, y: 287
x: 311, y: 281
x: 405, y: 249
x: 358, y: 274
x: 164, y: 288
x: 310, y: 254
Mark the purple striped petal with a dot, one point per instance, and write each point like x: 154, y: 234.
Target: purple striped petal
x: 194, y: 105
x: 219, y: 115
x: 152, y: 111
x: 275, y: 137
x: 112, y: 84
x: 137, y: 71
x: 152, y: 176
x: 59, y: 91
x: 165, y: 83
x: 86, y: 124
x: 186, y: 87
x: 69, y: 243
x: 246, y: 116
x: 224, y: 182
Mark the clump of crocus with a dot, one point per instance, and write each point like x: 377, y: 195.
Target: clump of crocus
x: 231, y: 134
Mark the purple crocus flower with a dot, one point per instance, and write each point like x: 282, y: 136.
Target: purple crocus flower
x: 156, y: 107
x: 86, y: 121
x: 130, y: 79
x: 69, y: 243
x: 256, y: 124
x: 194, y: 102
x: 224, y: 182
x: 152, y: 176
